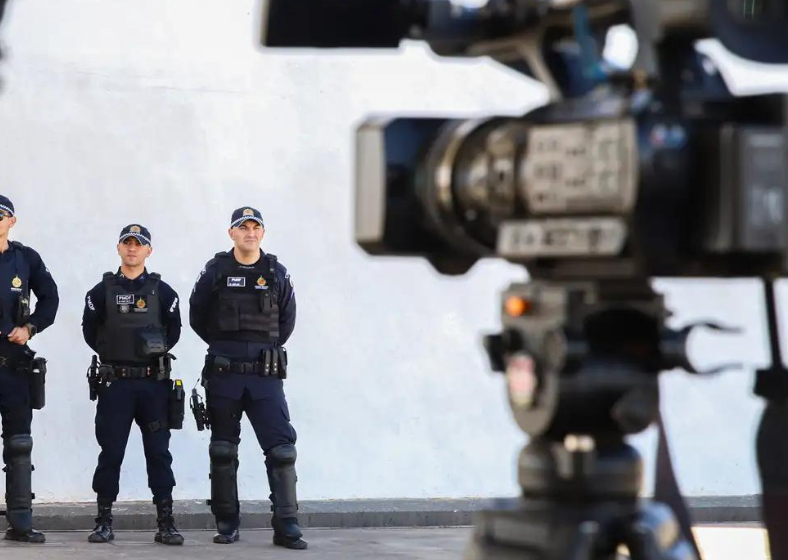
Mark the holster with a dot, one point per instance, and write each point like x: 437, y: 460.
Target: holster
x: 176, y: 405
x: 35, y: 370
x: 37, y: 376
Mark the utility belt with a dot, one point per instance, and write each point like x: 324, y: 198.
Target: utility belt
x: 109, y: 373
x: 104, y: 374
x: 273, y: 362
x: 99, y: 374
x: 36, y: 370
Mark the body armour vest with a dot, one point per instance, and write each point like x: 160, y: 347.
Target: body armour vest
x: 245, y: 303
x: 133, y: 331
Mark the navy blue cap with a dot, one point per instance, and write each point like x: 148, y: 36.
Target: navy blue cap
x: 138, y: 232
x: 246, y: 213
x: 6, y: 205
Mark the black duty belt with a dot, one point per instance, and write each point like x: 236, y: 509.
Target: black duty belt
x: 128, y: 372
x: 15, y: 364
x: 233, y: 366
x: 272, y: 362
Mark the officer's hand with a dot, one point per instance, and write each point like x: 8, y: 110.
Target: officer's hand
x: 20, y: 335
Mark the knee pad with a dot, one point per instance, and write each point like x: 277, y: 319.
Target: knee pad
x: 282, y: 454
x: 224, y: 484
x: 19, y: 495
x: 222, y: 451
x: 19, y: 445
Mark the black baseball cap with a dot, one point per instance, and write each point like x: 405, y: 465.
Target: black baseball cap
x: 138, y: 232
x: 6, y: 205
x: 246, y: 213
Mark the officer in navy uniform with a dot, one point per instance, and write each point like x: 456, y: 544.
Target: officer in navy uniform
x: 21, y: 271
x: 131, y: 320
x: 244, y: 307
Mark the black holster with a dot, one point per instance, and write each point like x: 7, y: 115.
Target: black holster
x: 94, y: 380
x: 200, y: 413
x: 176, y: 405
x: 165, y: 366
x: 37, y: 375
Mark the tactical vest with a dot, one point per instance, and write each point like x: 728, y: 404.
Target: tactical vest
x: 133, y: 331
x: 245, y: 302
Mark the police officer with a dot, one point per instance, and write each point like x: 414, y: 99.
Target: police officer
x: 21, y: 271
x: 132, y: 319
x: 243, y: 306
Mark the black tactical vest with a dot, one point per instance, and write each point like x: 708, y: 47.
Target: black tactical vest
x: 133, y: 331
x: 245, y: 303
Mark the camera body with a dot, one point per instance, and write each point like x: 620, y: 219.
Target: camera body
x: 656, y: 170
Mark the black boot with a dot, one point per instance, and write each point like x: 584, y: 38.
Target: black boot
x: 167, y: 533
x: 24, y: 534
x: 31, y: 535
x: 226, y: 531
x: 287, y: 533
x: 280, y: 465
x: 103, y: 531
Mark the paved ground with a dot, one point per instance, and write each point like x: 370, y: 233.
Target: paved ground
x: 719, y: 543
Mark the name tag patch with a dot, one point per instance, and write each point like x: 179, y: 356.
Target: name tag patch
x: 125, y: 299
x: 236, y: 281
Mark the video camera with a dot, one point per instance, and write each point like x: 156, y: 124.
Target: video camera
x: 655, y: 170
x: 625, y: 174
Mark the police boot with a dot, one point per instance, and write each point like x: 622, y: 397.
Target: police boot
x: 167, y: 533
x: 103, y: 532
x: 18, y: 493
x: 226, y: 531
x: 280, y: 464
x: 224, y: 490
x: 30, y: 535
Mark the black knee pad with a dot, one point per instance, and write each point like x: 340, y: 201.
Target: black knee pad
x: 224, y: 484
x: 19, y: 445
x: 282, y: 454
x: 223, y: 451
x: 19, y: 494
x: 280, y: 464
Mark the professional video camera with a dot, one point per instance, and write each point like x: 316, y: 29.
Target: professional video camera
x: 626, y: 174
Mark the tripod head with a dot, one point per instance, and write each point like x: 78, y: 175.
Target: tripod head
x: 583, y: 357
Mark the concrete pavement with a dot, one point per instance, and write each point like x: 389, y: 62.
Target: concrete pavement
x: 718, y: 543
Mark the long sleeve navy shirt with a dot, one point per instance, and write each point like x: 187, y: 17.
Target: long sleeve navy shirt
x: 23, y: 271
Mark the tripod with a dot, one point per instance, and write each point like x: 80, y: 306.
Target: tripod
x: 580, y: 503
x: 581, y: 362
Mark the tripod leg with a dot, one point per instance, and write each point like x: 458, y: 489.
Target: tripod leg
x: 772, y: 449
x: 551, y: 533
x: 655, y: 535
x: 772, y: 460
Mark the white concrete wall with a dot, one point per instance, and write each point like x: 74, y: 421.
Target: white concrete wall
x: 166, y: 114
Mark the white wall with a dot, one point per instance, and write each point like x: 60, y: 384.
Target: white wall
x: 166, y: 114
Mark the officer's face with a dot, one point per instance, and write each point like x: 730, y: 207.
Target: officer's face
x: 248, y: 235
x: 6, y: 224
x: 132, y: 253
